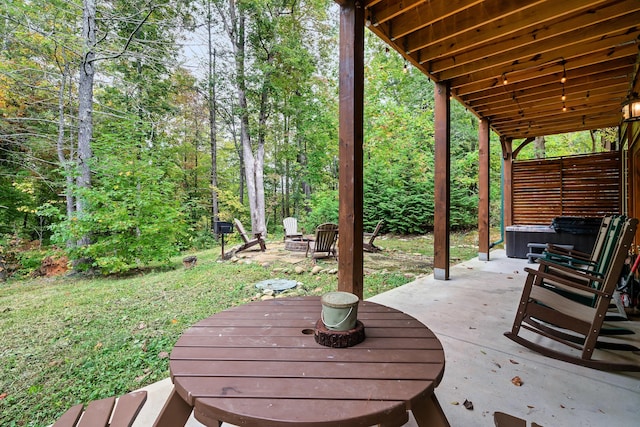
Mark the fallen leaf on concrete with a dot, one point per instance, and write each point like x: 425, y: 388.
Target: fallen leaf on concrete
x: 516, y: 381
x: 469, y: 405
x: 497, y: 364
x: 455, y: 403
x: 514, y: 362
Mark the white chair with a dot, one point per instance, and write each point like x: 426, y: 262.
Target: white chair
x: 291, y: 228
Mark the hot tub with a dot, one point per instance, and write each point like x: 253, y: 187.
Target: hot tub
x: 517, y: 237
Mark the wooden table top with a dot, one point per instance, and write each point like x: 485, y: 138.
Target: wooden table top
x: 258, y: 364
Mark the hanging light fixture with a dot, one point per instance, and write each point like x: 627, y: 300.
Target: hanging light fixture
x: 631, y: 110
x: 563, y: 79
x: 504, y: 79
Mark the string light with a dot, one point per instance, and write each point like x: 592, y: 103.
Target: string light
x: 504, y: 79
x: 563, y: 80
x: 405, y: 69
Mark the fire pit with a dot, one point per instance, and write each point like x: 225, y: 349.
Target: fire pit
x: 296, y: 245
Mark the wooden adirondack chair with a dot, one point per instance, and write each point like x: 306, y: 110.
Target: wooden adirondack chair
x: 249, y: 242
x: 575, y: 324
x: 291, y: 228
x: 367, y: 244
x: 101, y: 413
x: 324, y: 243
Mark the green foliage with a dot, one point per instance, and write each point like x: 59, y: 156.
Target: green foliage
x: 323, y: 207
x: 569, y: 144
x: 133, y: 216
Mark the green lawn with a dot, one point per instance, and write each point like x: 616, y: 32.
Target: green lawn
x: 68, y: 340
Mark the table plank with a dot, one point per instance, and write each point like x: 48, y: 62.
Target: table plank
x: 316, y: 412
x: 291, y: 319
x: 290, y: 331
x: 301, y: 388
x: 302, y: 341
x: 288, y: 369
x: 309, y: 354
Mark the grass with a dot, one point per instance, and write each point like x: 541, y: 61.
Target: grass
x: 69, y: 340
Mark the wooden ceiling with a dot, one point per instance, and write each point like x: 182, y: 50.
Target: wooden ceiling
x: 505, y: 59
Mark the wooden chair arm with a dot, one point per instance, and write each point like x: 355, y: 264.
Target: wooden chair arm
x: 572, y: 282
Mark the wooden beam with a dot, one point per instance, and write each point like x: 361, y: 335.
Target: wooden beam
x: 351, y: 83
x: 581, y: 85
x: 484, y: 151
x: 442, y: 174
x: 419, y: 15
x: 597, y: 61
x: 482, y: 26
x: 507, y: 171
x: 559, y: 31
x: 492, y: 67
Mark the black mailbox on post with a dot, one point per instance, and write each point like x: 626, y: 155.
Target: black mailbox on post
x: 221, y: 227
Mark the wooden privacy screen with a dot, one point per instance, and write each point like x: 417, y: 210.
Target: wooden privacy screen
x: 585, y: 186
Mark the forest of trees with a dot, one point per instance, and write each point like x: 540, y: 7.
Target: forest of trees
x: 127, y: 127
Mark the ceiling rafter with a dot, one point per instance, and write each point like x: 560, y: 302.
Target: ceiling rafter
x: 474, y: 46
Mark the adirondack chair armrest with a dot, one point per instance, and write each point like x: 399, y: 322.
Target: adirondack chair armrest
x: 559, y: 269
x: 572, y: 253
x: 566, y: 257
x: 549, y: 264
x: 572, y: 282
x: 574, y: 265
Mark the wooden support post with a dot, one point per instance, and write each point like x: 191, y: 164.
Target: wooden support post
x: 351, y: 81
x: 507, y: 191
x: 484, y: 186
x: 442, y: 182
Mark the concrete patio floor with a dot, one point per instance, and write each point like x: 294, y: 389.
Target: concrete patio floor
x: 469, y: 314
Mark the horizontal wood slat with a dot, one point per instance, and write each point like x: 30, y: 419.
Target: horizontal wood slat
x: 585, y: 186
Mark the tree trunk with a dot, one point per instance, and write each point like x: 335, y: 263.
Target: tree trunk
x: 539, y: 148
x: 253, y: 164
x: 85, y: 104
x: 212, y: 122
x: 64, y: 162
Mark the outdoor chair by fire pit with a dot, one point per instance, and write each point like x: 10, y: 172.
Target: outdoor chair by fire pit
x: 324, y: 243
x: 249, y: 242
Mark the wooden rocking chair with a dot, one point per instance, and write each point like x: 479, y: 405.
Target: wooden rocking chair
x: 324, y: 243
x: 610, y: 228
x: 595, y: 263
x: 367, y: 244
x: 574, y: 323
x: 249, y: 242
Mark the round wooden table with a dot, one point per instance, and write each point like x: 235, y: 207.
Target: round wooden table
x: 258, y: 364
